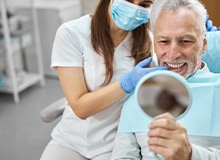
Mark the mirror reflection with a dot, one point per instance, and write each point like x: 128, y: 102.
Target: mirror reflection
x: 163, y: 93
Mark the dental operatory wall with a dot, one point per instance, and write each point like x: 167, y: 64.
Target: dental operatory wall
x: 51, y: 14
x: 89, y: 5
x: 48, y: 21
x: 213, y: 7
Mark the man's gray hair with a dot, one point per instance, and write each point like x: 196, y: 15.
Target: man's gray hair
x: 173, y: 5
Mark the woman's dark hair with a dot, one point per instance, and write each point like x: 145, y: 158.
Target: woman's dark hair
x: 103, y: 44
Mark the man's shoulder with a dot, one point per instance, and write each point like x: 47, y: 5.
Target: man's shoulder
x: 204, y: 76
x: 132, y: 118
x: 214, y: 77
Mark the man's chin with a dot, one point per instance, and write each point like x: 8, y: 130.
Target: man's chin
x: 179, y: 71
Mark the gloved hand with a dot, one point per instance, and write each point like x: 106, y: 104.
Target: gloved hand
x: 209, y: 25
x: 129, y: 81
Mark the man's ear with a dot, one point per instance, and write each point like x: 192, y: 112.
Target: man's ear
x: 205, y: 42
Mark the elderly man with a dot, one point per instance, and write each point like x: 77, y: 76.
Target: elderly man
x: 179, y: 33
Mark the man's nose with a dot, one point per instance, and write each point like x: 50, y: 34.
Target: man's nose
x: 174, y: 51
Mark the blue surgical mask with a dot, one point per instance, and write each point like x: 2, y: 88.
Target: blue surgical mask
x: 128, y: 16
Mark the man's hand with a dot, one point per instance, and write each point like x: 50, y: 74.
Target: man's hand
x: 168, y: 138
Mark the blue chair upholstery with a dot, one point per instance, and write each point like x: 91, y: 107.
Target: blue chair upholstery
x: 212, y: 54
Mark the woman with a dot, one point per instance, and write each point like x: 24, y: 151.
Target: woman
x: 92, y: 55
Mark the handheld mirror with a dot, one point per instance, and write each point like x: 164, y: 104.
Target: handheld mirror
x: 163, y: 91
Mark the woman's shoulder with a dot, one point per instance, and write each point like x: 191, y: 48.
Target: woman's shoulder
x: 77, y: 26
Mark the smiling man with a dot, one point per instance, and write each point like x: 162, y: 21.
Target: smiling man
x: 179, y: 33
x: 179, y: 48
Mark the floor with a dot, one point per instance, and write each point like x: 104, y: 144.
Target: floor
x: 23, y: 135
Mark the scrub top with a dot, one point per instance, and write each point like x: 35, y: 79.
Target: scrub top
x: 72, y: 47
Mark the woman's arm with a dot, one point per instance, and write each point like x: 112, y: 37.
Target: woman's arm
x: 83, y: 102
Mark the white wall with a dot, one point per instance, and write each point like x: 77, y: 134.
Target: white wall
x: 89, y: 5
x: 16, y: 2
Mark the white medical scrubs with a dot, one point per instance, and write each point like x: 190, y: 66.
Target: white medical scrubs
x: 72, y: 47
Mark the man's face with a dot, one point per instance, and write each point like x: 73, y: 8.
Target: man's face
x: 178, y: 43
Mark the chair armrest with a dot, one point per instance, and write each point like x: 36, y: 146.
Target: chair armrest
x: 53, y: 111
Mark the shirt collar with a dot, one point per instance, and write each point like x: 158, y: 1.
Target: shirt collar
x: 200, y: 74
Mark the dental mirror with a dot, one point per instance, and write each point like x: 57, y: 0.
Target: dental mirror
x: 163, y: 91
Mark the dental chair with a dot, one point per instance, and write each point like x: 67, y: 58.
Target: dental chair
x: 211, y: 57
x: 53, y: 111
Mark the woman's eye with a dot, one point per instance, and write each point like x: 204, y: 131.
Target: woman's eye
x: 146, y: 5
x: 129, y: 1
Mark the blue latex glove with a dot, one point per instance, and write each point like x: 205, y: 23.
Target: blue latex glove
x: 209, y: 25
x: 129, y: 81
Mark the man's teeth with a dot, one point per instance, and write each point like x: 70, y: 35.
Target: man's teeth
x: 175, y: 66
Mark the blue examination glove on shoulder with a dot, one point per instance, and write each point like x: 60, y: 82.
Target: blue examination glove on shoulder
x: 129, y: 81
x: 209, y: 25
